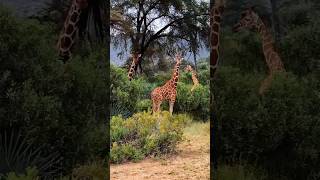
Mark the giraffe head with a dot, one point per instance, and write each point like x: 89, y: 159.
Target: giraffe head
x: 188, y: 68
x: 249, y: 19
x: 135, y: 57
x: 179, y: 58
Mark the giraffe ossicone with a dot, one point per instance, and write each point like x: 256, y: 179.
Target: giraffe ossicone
x: 168, y: 91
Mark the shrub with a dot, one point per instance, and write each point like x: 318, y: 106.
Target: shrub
x: 53, y: 105
x: 144, y: 134
x: 195, y: 103
x: 31, y: 174
x: 94, y: 170
x: 273, y: 129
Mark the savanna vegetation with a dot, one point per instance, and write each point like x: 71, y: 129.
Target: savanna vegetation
x: 274, y: 136
x: 53, y: 115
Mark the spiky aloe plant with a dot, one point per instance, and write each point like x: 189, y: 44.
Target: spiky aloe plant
x: 117, y: 109
x: 16, y: 155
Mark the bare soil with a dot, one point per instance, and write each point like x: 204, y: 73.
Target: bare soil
x: 190, y: 162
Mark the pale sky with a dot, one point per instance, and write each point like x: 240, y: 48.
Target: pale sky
x: 157, y: 24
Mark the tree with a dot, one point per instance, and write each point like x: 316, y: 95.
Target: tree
x: 178, y: 24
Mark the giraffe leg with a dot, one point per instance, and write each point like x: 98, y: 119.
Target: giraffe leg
x: 159, y: 107
x: 171, y: 103
x: 153, y: 107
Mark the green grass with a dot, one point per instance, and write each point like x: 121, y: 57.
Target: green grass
x: 240, y: 172
x: 197, y: 128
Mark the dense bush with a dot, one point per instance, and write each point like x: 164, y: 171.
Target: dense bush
x: 144, y: 134
x: 129, y: 97
x: 274, y: 129
x: 31, y: 174
x: 195, y: 102
x: 52, y: 104
x: 125, y: 94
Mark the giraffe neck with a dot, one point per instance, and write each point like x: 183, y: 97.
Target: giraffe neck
x: 175, y: 75
x: 70, y: 28
x: 132, y: 69
x: 215, y: 20
x: 272, y: 58
x: 194, y: 77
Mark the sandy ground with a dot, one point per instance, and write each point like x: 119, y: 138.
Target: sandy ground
x: 190, y: 162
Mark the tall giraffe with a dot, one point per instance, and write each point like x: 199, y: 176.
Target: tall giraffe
x: 251, y: 20
x: 168, y: 91
x: 194, y: 77
x: 135, y: 61
x: 216, y: 11
x: 215, y: 20
x: 70, y: 28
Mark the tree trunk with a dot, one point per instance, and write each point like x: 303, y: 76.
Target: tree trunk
x: 195, y: 61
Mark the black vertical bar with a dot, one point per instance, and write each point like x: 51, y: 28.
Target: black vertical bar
x: 107, y: 59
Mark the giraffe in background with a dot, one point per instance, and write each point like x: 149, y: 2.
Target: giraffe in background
x: 249, y: 19
x: 135, y: 61
x: 70, y: 29
x: 168, y: 91
x: 194, y: 77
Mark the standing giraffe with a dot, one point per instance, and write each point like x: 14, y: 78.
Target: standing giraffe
x: 133, y: 67
x: 167, y: 91
x: 70, y: 28
x: 249, y: 19
x: 194, y: 77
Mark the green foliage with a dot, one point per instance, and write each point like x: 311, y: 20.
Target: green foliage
x: 133, y: 96
x: 144, y: 105
x: 302, y: 59
x: 95, y: 171
x: 194, y: 102
x: 31, y: 174
x: 52, y: 104
x: 16, y: 155
x: 144, y: 134
x: 240, y: 172
x: 274, y: 129
x: 125, y: 93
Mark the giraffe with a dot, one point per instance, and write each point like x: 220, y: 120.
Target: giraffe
x: 135, y: 61
x: 168, y: 91
x: 216, y: 11
x: 70, y: 28
x: 251, y: 20
x: 215, y: 19
x: 194, y: 77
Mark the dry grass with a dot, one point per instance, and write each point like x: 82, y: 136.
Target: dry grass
x: 190, y: 162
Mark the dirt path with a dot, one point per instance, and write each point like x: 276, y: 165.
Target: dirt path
x: 191, y: 161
